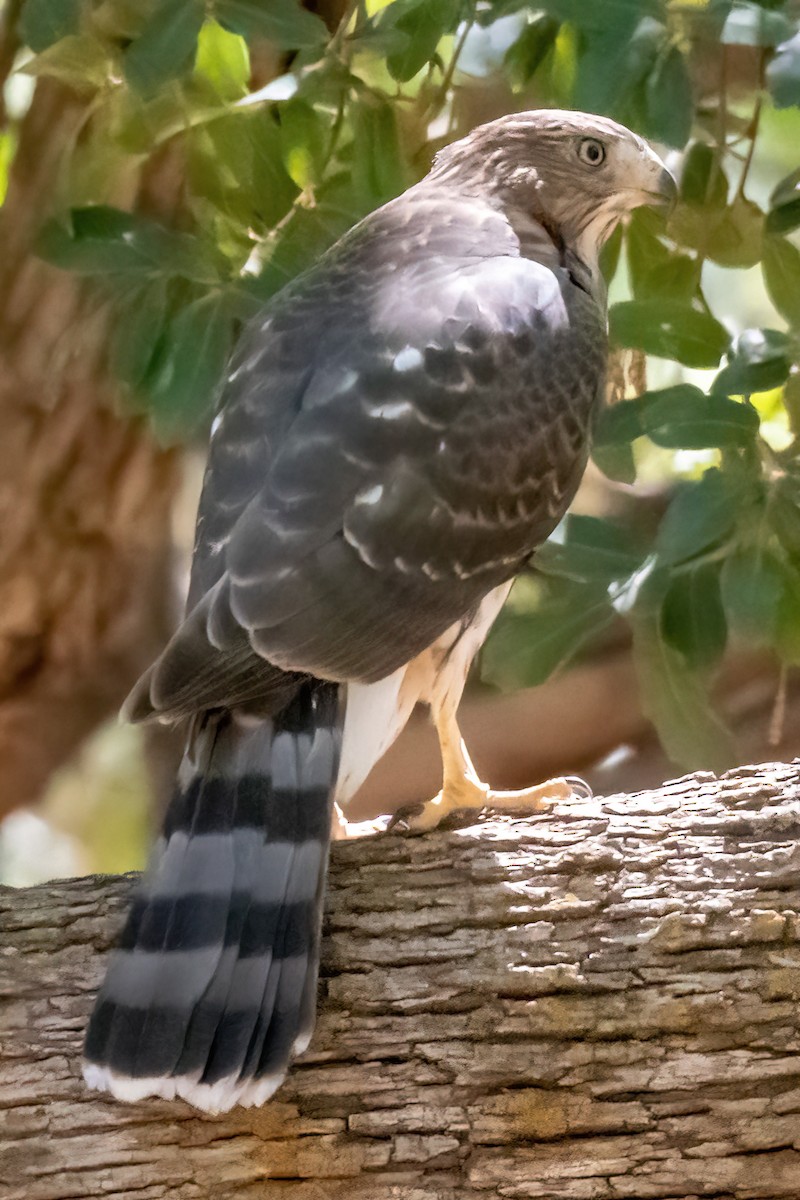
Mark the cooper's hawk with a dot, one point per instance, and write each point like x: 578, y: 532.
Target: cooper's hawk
x: 402, y: 426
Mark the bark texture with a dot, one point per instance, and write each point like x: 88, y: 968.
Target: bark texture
x: 85, y: 493
x: 599, y: 1003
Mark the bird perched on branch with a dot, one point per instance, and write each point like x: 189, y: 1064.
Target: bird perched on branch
x: 402, y: 427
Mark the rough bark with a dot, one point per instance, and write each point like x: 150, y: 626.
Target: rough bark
x: 599, y: 1003
x: 85, y: 493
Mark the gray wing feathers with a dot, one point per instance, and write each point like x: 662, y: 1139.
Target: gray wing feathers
x: 393, y: 445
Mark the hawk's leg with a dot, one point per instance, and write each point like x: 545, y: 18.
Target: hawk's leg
x: 463, y: 789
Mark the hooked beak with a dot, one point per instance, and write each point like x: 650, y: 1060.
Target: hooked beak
x: 660, y: 193
x: 665, y: 197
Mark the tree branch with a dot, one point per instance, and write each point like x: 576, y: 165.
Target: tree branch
x: 598, y: 1003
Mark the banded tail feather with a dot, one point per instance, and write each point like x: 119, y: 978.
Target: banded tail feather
x: 212, y: 989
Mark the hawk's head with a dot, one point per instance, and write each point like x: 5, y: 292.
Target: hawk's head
x: 575, y: 173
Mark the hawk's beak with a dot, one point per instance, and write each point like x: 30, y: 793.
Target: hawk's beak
x: 660, y: 191
x: 665, y: 196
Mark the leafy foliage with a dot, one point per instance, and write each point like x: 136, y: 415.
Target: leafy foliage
x: 281, y: 160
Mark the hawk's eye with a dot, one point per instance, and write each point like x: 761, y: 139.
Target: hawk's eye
x: 591, y: 152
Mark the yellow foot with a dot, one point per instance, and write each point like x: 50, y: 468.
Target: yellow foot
x: 468, y: 794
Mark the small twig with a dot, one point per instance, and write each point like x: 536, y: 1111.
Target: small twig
x: 355, y: 7
x: 302, y: 200
x: 752, y: 132
x: 778, y: 720
x: 336, y: 42
x: 450, y: 70
x: 336, y: 129
x: 722, y: 118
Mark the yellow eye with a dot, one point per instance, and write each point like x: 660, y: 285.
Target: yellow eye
x: 591, y: 152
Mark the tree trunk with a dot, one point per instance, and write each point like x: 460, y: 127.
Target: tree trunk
x: 85, y: 496
x: 599, y: 1003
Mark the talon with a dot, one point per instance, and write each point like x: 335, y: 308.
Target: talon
x: 580, y: 787
x: 344, y: 830
x: 402, y: 820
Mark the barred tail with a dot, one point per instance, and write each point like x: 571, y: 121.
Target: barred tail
x: 212, y: 990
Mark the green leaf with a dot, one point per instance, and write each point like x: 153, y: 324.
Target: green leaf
x: 119, y: 20
x: 783, y: 74
x: 669, y: 103
x: 676, y: 280
x: 783, y: 511
x: 692, y: 618
x: 8, y: 144
x: 784, y: 205
x: 487, y: 14
x: 616, y: 462
x: 618, y: 55
x: 44, y: 22
x: 753, y: 583
x: 99, y: 241
x: 703, y: 181
x: 304, y: 142
x: 189, y: 372
x: 283, y: 22
x: 791, y: 401
x: 378, y: 167
x: 274, y: 189
x: 524, y: 56
x: 682, y: 417
x: 679, y: 417
x: 781, y: 267
x: 610, y: 255
x: 106, y: 241
x: 524, y: 649
x: 730, y: 235
x: 645, y: 249
x: 657, y: 272
x: 589, y: 550
x: 759, y: 360
x: 736, y: 236
x: 222, y: 61
x: 619, y: 424
x: 425, y: 23
x: 139, y: 325
x: 676, y: 700
x: 166, y: 47
x: 701, y: 515
x: 619, y: 19
x: 82, y: 62
x: 235, y: 164
x: 750, y: 24
x: 669, y: 330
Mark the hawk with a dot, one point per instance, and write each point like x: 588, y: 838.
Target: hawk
x: 402, y: 426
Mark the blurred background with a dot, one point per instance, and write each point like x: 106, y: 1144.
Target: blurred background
x: 166, y: 166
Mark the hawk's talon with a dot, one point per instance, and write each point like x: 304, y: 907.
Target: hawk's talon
x: 399, y: 821
x: 343, y: 830
x: 420, y: 818
x: 580, y: 788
